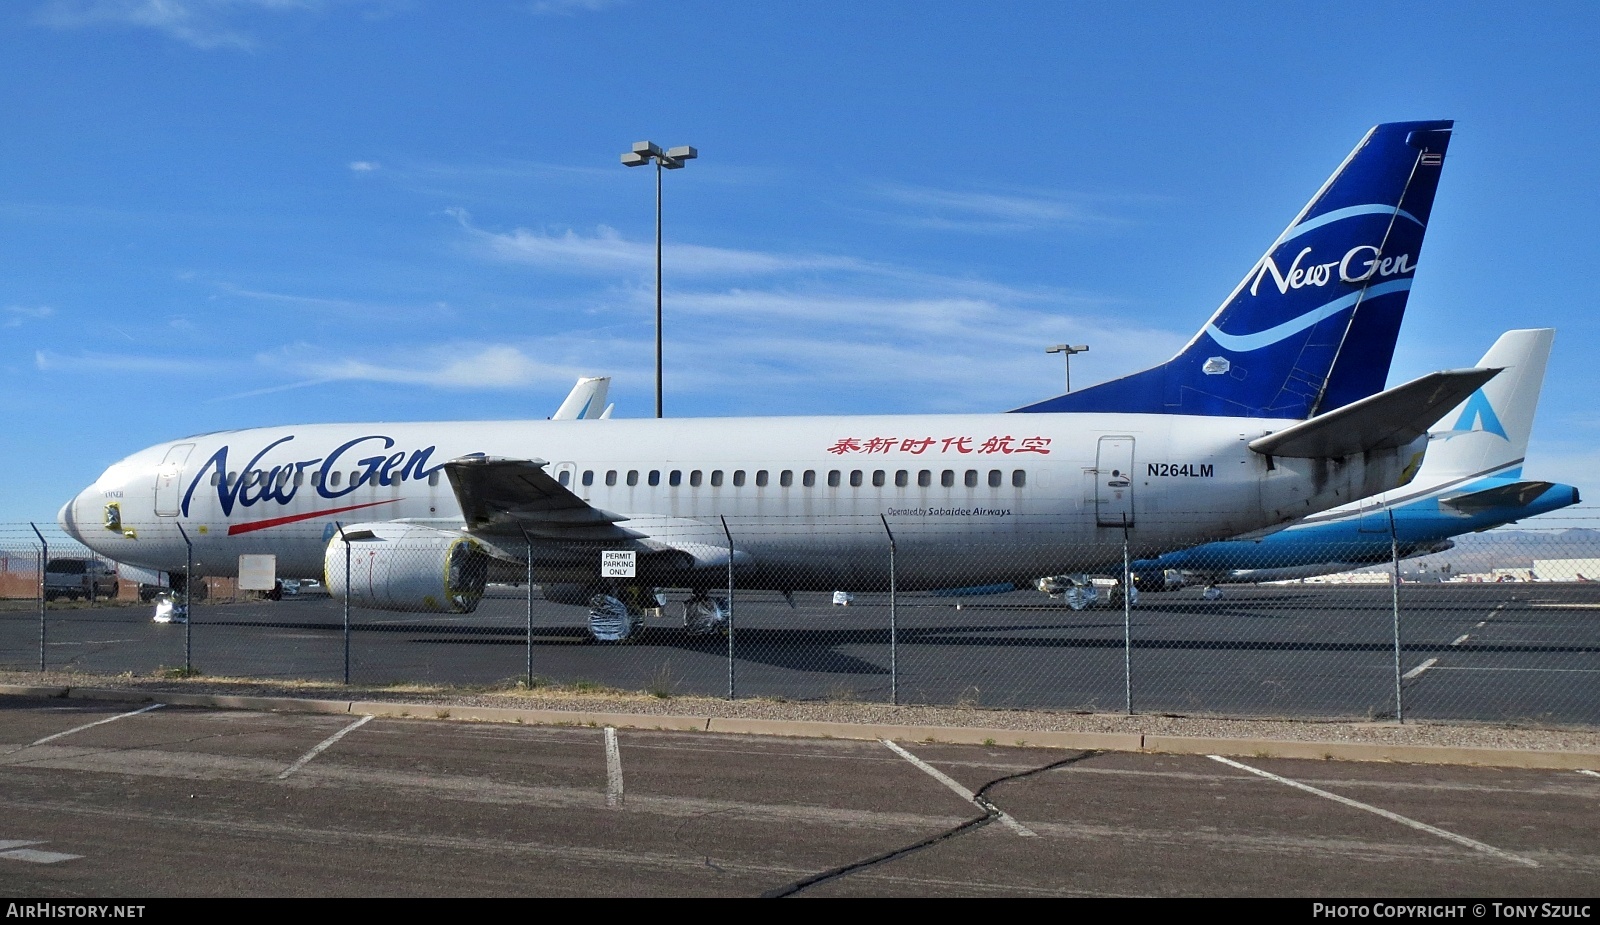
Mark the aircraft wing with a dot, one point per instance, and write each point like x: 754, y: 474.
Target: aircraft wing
x: 1389, y: 419
x: 1516, y: 494
x: 509, y: 496
x: 503, y: 499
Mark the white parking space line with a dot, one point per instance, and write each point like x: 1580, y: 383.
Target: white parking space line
x: 1396, y: 817
x: 323, y: 746
x: 1482, y: 623
x: 1420, y: 669
x: 966, y: 794
x: 21, y: 851
x: 33, y: 856
x: 613, y: 769
x: 1498, y: 668
x: 1460, y: 639
x: 1589, y: 772
x: 98, y: 722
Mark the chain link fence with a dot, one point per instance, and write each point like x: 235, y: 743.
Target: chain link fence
x: 1503, y: 627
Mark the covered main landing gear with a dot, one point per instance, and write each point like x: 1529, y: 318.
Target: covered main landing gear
x: 704, y: 615
x: 615, y: 617
x: 1081, y: 591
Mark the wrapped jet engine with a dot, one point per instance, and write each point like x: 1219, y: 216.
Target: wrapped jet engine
x: 400, y: 566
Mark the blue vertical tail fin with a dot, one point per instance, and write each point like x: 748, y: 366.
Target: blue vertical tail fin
x: 1313, y: 325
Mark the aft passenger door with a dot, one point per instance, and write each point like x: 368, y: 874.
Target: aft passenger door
x: 169, y: 479
x: 1113, y: 482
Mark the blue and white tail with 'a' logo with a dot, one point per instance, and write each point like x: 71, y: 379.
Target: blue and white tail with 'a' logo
x: 1488, y: 433
x: 1312, y: 326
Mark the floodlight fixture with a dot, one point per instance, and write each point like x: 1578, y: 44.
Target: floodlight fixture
x: 1069, y: 350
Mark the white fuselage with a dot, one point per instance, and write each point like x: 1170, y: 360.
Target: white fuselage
x: 969, y: 498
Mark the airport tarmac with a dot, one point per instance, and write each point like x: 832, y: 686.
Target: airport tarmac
x: 140, y: 798
x: 1516, y: 654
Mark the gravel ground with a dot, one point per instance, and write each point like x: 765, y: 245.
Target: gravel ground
x: 1482, y: 735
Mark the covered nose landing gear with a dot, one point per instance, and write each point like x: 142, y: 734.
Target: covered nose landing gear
x: 169, y: 609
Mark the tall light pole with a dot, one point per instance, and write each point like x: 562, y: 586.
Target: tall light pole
x: 1069, y: 351
x: 672, y: 159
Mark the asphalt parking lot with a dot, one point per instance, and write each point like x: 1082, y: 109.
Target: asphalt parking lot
x: 103, y: 799
x: 1525, y: 654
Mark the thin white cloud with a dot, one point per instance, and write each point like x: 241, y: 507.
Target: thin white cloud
x: 607, y: 251
x: 777, y: 351
x: 18, y: 315
x: 346, y: 308
x: 269, y: 390
x: 204, y: 24
x: 572, y: 7
x: 293, y: 299
x: 461, y: 366
x: 363, y: 166
x: 51, y: 361
x: 968, y: 321
x: 984, y: 212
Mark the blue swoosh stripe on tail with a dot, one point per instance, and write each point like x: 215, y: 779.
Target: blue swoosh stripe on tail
x: 1311, y: 224
x: 1244, y: 343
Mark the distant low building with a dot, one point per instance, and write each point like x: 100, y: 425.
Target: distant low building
x: 1566, y: 569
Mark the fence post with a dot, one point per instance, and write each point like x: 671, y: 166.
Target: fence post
x: 1127, y: 625
x: 729, y: 534
x: 348, y: 590
x: 44, y: 562
x: 188, y: 596
x: 529, y: 543
x: 1394, y: 589
x: 894, y: 635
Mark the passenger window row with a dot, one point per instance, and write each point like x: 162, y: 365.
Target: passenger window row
x: 971, y: 478
x: 675, y: 478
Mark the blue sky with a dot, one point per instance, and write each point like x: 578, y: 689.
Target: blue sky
x: 229, y: 213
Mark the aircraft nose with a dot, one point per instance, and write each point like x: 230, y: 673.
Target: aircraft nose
x: 68, y: 519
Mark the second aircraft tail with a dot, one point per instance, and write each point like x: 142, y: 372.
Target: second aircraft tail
x: 1488, y: 433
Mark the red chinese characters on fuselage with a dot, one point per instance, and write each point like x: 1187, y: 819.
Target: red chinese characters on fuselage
x: 917, y: 446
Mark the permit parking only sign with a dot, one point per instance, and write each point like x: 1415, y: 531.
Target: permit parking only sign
x: 618, y: 563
